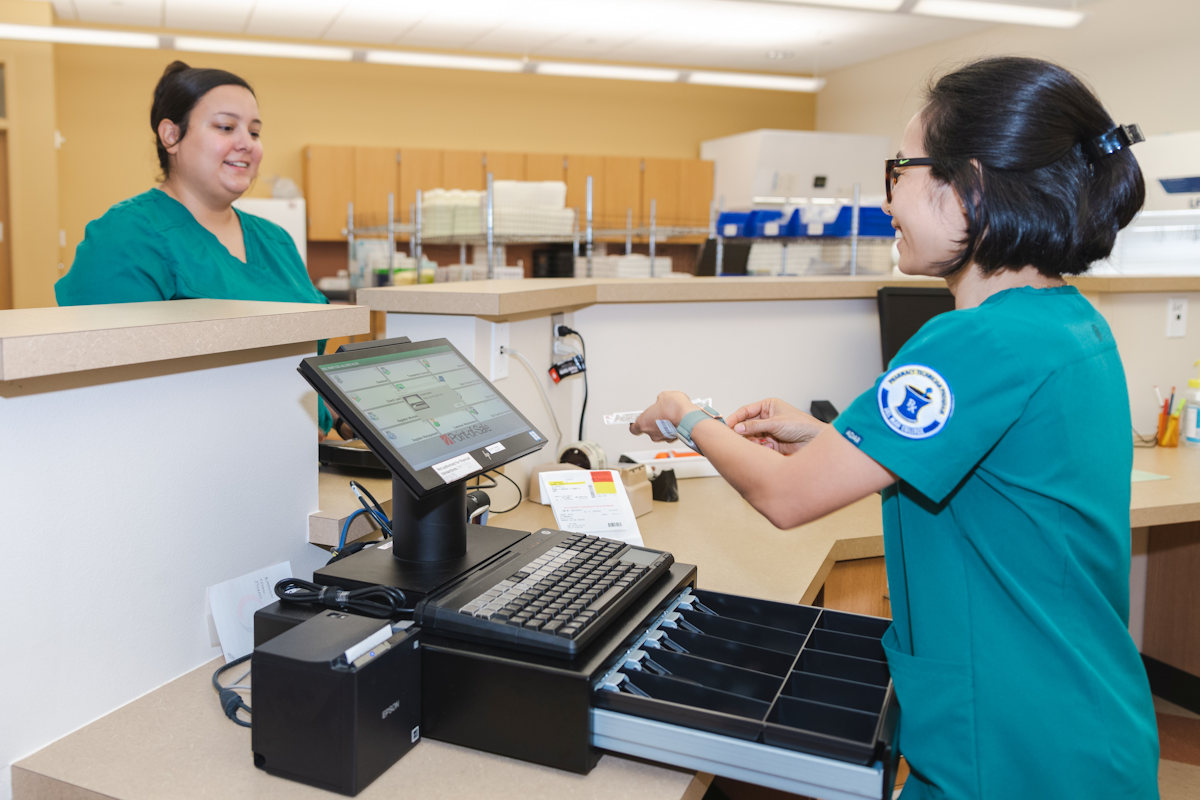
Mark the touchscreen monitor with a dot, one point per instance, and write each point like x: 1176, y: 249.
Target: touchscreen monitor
x: 425, y: 410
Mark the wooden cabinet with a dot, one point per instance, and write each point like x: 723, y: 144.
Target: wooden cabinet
x: 329, y: 172
x: 858, y: 586
x: 660, y: 183
x: 505, y: 166
x: 695, y: 192
x: 335, y: 175
x: 578, y: 169
x: 622, y: 191
x: 375, y: 176
x: 419, y: 169
x: 463, y: 169
x: 545, y: 167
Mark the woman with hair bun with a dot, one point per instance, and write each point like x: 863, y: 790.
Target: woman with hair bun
x: 1005, y: 505
x: 184, y: 239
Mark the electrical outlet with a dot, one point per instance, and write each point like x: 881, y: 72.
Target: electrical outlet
x: 499, y: 365
x: 556, y: 342
x: 1177, y: 317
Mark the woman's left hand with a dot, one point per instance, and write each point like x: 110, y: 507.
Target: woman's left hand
x: 670, y: 406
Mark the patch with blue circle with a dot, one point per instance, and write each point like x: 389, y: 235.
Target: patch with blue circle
x: 915, y: 401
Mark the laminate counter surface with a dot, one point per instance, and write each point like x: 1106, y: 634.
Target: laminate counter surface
x: 501, y: 299
x: 35, y: 342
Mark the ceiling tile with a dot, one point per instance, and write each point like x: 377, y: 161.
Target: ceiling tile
x: 302, y: 19
x: 121, y: 12
x: 64, y: 9
x: 218, y: 16
x: 375, y: 21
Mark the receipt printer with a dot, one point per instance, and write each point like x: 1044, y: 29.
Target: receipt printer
x: 337, y: 700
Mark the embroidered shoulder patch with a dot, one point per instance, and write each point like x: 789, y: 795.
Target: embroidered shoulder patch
x: 915, y: 401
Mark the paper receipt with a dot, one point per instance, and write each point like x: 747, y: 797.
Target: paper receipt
x: 591, y: 502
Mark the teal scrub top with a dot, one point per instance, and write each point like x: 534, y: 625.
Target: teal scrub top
x: 150, y: 247
x: 1007, y: 544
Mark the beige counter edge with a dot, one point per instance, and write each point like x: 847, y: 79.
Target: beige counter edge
x: 34, y: 356
x: 500, y: 299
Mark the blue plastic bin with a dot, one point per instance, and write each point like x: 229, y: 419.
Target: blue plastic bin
x: 871, y: 222
x: 732, y: 224
x: 757, y: 224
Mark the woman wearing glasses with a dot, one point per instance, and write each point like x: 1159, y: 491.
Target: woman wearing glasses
x: 1006, y: 511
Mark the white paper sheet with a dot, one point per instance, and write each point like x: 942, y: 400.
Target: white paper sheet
x: 592, y: 502
x: 234, y: 602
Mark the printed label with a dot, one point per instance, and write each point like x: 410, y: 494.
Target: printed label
x: 668, y: 430
x: 494, y: 448
x: 457, y: 467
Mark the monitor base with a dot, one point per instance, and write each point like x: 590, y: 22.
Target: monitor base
x: 417, y: 579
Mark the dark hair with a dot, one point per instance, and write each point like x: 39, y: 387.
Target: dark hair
x: 177, y: 92
x: 1035, y: 197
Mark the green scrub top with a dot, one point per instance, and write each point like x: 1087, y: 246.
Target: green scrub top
x: 150, y: 247
x: 1007, y: 544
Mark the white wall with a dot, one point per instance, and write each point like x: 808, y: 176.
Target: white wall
x: 1139, y: 56
x: 121, y: 502
x: 736, y: 353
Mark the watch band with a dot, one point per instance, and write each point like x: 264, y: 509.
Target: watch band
x: 693, y: 418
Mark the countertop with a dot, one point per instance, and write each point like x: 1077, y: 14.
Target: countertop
x: 35, y: 342
x: 509, y: 299
x: 751, y: 567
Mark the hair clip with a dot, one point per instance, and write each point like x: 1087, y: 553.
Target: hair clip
x: 1114, y: 141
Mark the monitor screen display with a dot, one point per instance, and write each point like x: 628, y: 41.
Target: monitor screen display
x: 425, y: 404
x: 903, y: 311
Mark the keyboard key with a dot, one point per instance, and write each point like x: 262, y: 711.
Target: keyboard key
x: 533, y: 624
x: 603, y: 600
x: 552, y: 626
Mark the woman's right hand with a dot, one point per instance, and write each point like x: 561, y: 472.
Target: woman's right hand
x: 775, y: 424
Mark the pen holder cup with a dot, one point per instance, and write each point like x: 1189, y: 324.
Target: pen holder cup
x: 1169, y: 427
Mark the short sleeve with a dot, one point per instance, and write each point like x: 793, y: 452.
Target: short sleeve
x: 118, y: 261
x: 947, y: 398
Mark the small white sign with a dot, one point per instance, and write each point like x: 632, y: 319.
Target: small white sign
x: 622, y: 418
x: 452, y: 469
x: 494, y: 448
x: 234, y: 602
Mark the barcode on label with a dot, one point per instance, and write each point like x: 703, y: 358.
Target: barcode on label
x: 592, y: 491
x: 614, y: 524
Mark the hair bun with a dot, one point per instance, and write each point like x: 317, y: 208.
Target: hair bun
x: 174, y: 68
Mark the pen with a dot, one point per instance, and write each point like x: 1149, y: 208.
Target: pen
x: 1157, y: 393
x: 1171, y: 402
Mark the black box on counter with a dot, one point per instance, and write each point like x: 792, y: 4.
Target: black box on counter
x: 337, y: 700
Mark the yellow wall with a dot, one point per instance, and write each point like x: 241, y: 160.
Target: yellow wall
x: 1138, y: 55
x: 104, y: 109
x: 33, y: 182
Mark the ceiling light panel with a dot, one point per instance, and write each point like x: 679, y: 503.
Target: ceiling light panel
x: 779, y: 83
x: 855, y: 5
x: 609, y: 71
x: 217, y: 16
x: 999, y: 12
x: 441, y: 61
x: 127, y: 12
x: 246, y: 47
x: 67, y: 35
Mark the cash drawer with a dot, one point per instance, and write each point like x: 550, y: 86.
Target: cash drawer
x: 796, y: 698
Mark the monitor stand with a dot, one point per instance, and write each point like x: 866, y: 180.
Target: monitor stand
x: 431, y: 545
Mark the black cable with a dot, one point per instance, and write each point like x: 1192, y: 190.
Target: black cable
x: 518, y: 488
x: 1146, y: 441
x: 383, y: 602
x: 231, y: 701
x: 563, y: 330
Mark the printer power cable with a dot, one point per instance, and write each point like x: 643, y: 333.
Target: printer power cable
x: 383, y: 602
x: 231, y: 701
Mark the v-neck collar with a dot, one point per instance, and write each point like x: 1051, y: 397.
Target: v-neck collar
x: 182, y: 209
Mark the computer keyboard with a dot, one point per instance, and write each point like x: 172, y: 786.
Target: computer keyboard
x: 552, y: 599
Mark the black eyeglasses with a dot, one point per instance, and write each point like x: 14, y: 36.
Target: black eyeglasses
x: 890, y: 170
